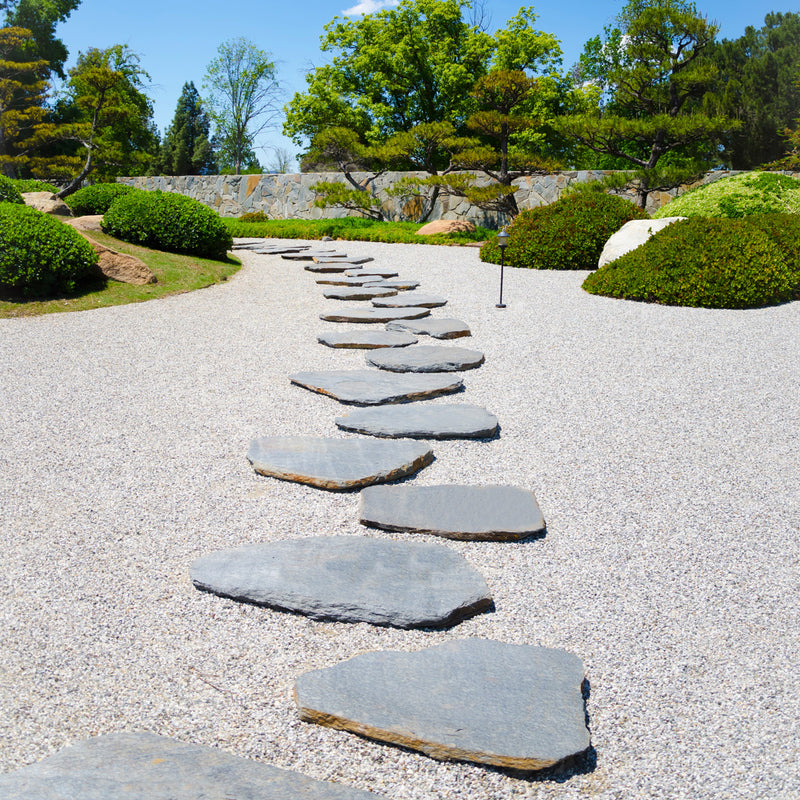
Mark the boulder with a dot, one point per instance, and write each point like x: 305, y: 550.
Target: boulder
x: 446, y: 226
x: 90, y: 222
x: 47, y: 203
x: 630, y: 236
x: 120, y: 267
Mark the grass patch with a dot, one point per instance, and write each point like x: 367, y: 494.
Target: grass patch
x: 176, y: 274
x: 350, y: 229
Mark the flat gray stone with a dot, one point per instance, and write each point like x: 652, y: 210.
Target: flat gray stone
x: 336, y: 464
x: 375, y: 272
x: 403, y: 284
x: 412, y: 299
x: 357, y: 292
x: 366, y: 340
x: 427, y: 358
x: 143, y: 766
x: 369, y: 387
x: 374, y: 314
x: 308, y: 255
x: 334, y: 279
x: 509, y: 705
x: 354, y: 261
x: 477, y: 513
x: 350, y: 579
x: 328, y: 267
x: 436, y: 328
x: 422, y: 421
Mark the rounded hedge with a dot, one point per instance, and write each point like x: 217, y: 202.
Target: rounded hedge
x: 737, y: 196
x: 567, y: 234
x: 711, y: 263
x: 40, y: 256
x: 96, y: 199
x: 167, y: 221
x: 784, y: 230
x: 32, y: 185
x: 9, y: 193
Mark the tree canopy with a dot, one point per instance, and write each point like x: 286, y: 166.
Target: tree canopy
x: 186, y: 149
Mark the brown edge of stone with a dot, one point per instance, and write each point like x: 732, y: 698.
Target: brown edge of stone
x: 392, y: 400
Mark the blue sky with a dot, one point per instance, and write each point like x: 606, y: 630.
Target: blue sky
x: 177, y: 38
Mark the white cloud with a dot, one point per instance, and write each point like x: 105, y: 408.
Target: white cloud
x: 369, y: 7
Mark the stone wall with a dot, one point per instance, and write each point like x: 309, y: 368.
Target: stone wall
x: 291, y: 196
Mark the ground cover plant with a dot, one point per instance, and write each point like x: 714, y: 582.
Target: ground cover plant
x: 737, y: 196
x: 350, y: 228
x: 567, y: 234
x: 9, y: 191
x: 96, y: 199
x: 32, y: 185
x: 711, y: 263
x: 168, y: 221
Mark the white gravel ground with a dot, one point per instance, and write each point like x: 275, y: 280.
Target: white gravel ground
x: 662, y: 444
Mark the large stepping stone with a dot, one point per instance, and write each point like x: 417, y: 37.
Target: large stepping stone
x: 368, y: 387
x: 366, y: 340
x: 144, y: 766
x: 475, y: 513
x: 367, y: 315
x: 350, y: 579
x: 357, y: 292
x: 509, y: 705
x: 336, y: 464
x: 328, y: 267
x: 343, y: 280
x: 308, y: 255
x: 352, y: 260
x: 375, y: 272
x: 436, y: 328
x: 279, y: 249
x: 422, y: 421
x: 412, y: 299
x: 402, y: 284
x: 427, y: 358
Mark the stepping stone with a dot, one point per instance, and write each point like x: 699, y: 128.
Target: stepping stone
x: 475, y: 513
x: 279, y: 250
x: 356, y: 293
x: 308, y: 255
x: 413, y: 299
x: 436, y: 328
x: 342, y: 280
x: 368, y: 387
x: 126, y: 766
x: 375, y: 272
x: 418, y: 421
x: 350, y: 579
x: 366, y: 340
x: 327, y: 267
x: 374, y: 314
x: 352, y: 260
x: 509, y: 705
x: 336, y: 464
x: 403, y: 284
x: 427, y: 358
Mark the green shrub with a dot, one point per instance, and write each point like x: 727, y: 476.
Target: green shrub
x: 784, y: 230
x: 167, y: 221
x: 737, y: 196
x: 96, y: 199
x: 567, y: 234
x: 9, y: 193
x: 31, y: 185
x: 254, y: 216
x: 713, y: 263
x: 41, y: 256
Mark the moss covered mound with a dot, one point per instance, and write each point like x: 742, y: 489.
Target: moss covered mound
x: 737, y: 196
x: 96, y: 199
x: 567, y: 234
x: 711, y: 263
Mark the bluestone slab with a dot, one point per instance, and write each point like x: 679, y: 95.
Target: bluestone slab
x: 412, y: 299
x: 357, y: 292
x: 376, y: 272
x: 374, y: 314
x: 308, y: 255
x: 328, y: 267
x: 434, y: 327
x: 422, y: 421
x: 508, y: 705
x: 352, y: 260
x: 366, y: 340
x: 350, y: 579
x: 427, y: 358
x: 336, y: 464
x: 478, y: 513
x: 403, y: 284
x: 369, y: 387
x: 343, y: 280
x: 144, y: 766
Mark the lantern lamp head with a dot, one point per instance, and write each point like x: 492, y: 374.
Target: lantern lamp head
x: 502, y: 239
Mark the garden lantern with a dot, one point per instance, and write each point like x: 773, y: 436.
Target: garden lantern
x: 502, y: 241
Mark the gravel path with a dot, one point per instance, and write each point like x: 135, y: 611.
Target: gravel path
x: 662, y: 444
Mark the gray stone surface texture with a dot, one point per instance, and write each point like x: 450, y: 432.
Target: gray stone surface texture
x: 329, y: 267
x: 403, y: 284
x: 369, y: 387
x: 336, y: 464
x: 366, y: 339
x: 476, y: 513
x: 350, y: 579
x: 376, y: 272
x: 412, y: 299
x: 343, y: 280
x: 422, y: 421
x: 508, y: 705
x: 427, y: 358
x: 308, y: 255
x: 357, y: 292
x: 367, y: 315
x: 631, y: 235
x: 352, y: 260
x: 437, y: 328
x: 144, y: 766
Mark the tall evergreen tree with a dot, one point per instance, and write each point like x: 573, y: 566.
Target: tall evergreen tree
x: 186, y: 149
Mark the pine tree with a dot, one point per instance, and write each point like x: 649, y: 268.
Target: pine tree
x: 186, y: 149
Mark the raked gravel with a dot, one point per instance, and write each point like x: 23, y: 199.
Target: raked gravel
x: 662, y: 444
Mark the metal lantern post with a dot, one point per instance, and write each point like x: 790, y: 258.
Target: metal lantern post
x: 502, y: 241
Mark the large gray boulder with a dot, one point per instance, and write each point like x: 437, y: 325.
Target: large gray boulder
x: 47, y: 203
x: 631, y: 235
